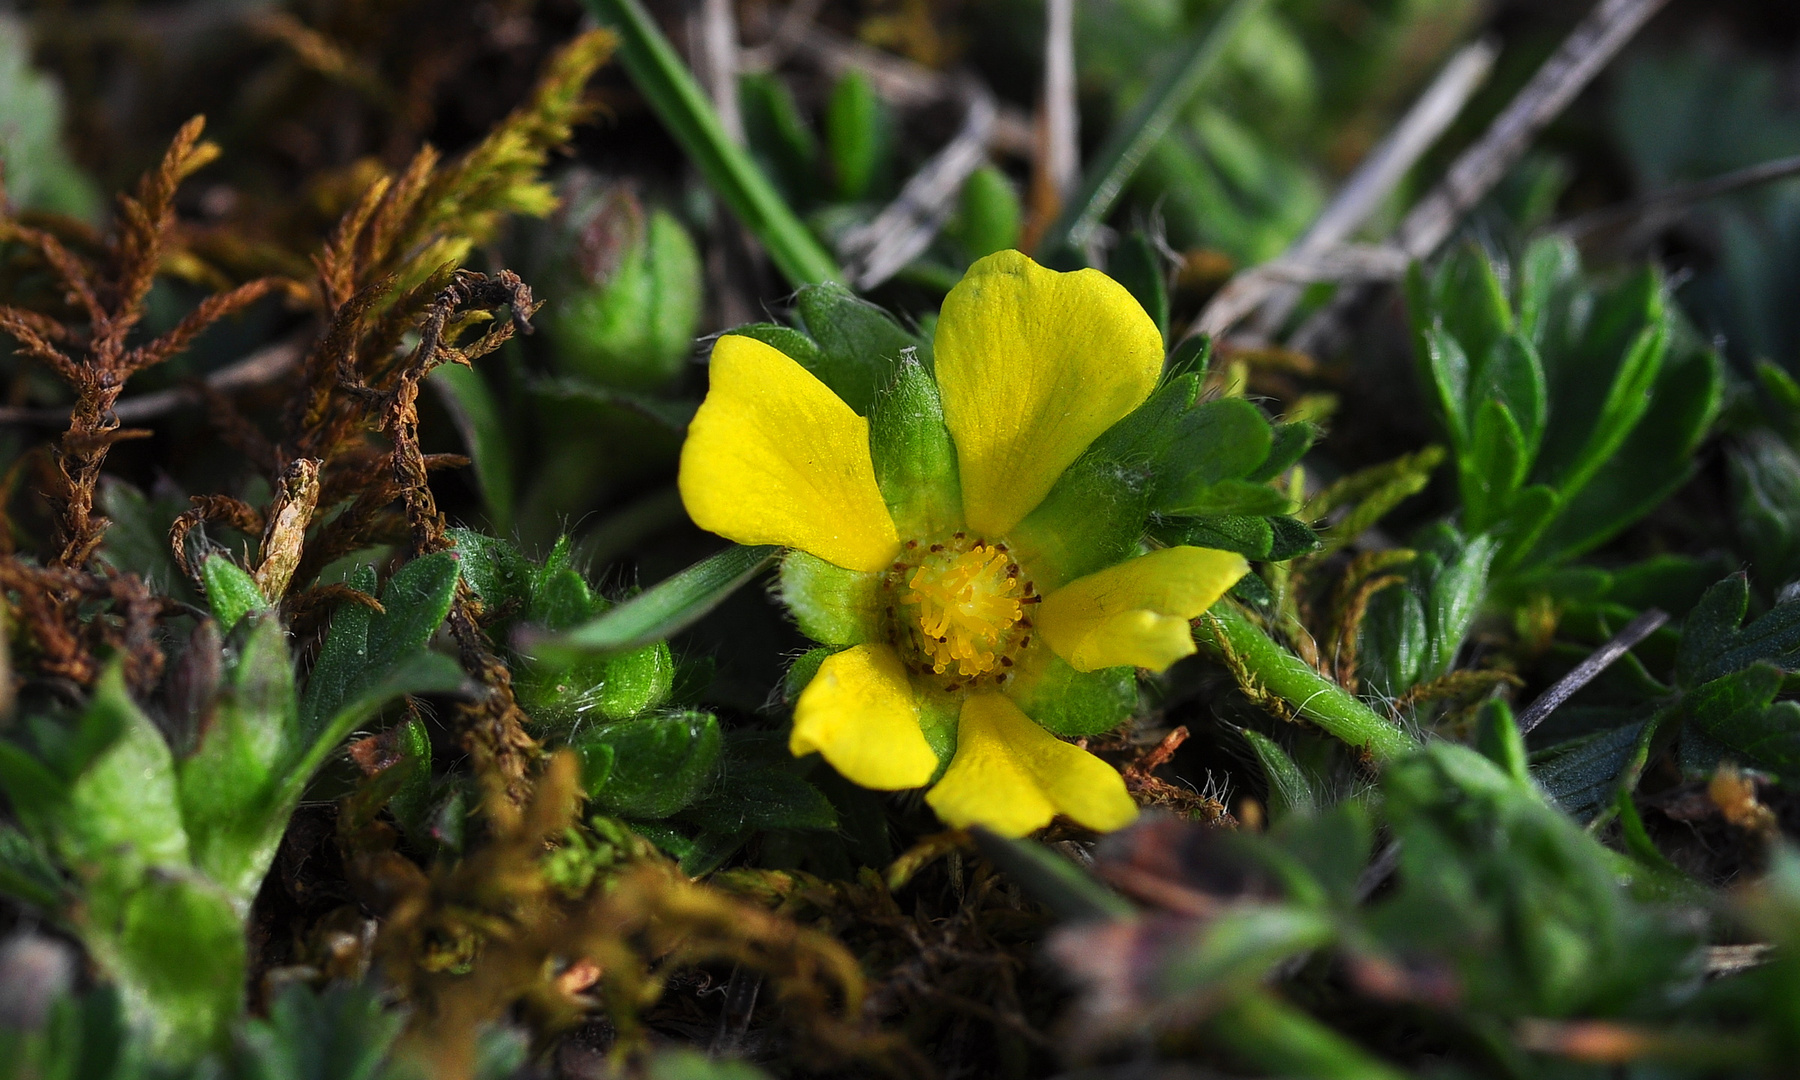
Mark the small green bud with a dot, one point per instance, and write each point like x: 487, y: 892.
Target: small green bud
x: 631, y: 318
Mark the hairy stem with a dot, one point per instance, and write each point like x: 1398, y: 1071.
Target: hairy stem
x: 1265, y: 669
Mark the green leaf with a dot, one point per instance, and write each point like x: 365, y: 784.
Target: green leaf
x: 1765, y: 488
x: 660, y: 764
x: 1288, y: 444
x: 915, y: 461
x: 1512, y: 375
x: 180, y: 961
x: 496, y: 571
x: 138, y: 539
x: 1448, y: 367
x: 342, y: 1032
x: 1494, y: 466
x: 1711, y: 628
x: 683, y: 108
x: 26, y: 872
x: 1289, y: 790
x: 243, y: 754
x: 122, y: 816
x: 1213, y: 446
x: 230, y: 592
x: 417, y: 672
x: 362, y: 648
x: 1497, y: 737
x: 780, y: 136
x: 860, y: 346
x: 1740, y: 714
x: 1231, y: 497
x: 1133, y: 138
x: 477, y: 416
x: 40, y: 175
x: 988, y: 213
x: 1052, y: 880
x: 1582, y: 774
x: 752, y: 800
x: 667, y: 607
x: 680, y: 1063
x: 1138, y: 266
x: 856, y: 134
x: 1242, y: 946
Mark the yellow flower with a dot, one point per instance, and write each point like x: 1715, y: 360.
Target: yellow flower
x: 980, y: 589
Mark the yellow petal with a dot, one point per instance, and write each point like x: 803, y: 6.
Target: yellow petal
x: 859, y: 712
x: 1033, y: 366
x: 774, y: 457
x: 1012, y: 776
x: 1137, y: 612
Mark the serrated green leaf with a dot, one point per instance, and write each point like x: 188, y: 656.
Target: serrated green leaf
x: 362, y: 648
x: 660, y: 764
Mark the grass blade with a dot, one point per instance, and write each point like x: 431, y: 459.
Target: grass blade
x: 665, y: 608
x: 683, y: 108
x: 1132, y: 140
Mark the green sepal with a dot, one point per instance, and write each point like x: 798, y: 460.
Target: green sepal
x: 1094, y: 515
x: 915, y: 460
x: 939, y: 712
x: 230, y: 592
x: 1233, y: 497
x: 832, y: 605
x: 791, y: 343
x: 1290, y: 792
x: 660, y: 763
x: 801, y: 672
x: 860, y: 345
x: 1069, y: 702
x: 1191, y: 356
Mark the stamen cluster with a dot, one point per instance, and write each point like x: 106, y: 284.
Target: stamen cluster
x: 956, y: 607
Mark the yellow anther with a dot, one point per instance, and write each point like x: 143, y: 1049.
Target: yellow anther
x: 965, y: 604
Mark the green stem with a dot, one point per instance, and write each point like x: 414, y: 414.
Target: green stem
x: 1134, y: 138
x: 1263, y: 667
x: 1284, y: 1041
x: 679, y: 103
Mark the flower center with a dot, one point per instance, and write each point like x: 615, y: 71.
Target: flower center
x: 960, y: 607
